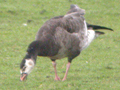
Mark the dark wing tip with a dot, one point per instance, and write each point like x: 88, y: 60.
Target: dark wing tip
x: 96, y: 27
x: 99, y: 32
x: 111, y: 29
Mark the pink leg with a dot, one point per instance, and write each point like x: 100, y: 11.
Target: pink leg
x: 68, y: 66
x: 54, y: 65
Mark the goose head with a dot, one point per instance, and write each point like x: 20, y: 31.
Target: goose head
x: 25, y: 68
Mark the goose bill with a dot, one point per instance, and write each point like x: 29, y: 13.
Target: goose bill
x: 23, y: 77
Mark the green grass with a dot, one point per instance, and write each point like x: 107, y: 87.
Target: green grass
x: 102, y: 72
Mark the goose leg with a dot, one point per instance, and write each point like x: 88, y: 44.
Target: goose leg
x: 56, y: 76
x: 67, y: 69
x: 73, y: 55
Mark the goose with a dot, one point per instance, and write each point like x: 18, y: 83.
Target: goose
x: 59, y: 37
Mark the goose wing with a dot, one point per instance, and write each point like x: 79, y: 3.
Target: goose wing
x: 73, y: 21
x: 74, y: 8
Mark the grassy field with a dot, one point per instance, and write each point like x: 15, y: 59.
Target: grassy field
x: 97, y: 68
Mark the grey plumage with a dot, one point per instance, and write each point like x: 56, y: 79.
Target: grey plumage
x: 59, y: 37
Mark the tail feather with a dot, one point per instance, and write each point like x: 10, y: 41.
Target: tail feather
x: 96, y: 27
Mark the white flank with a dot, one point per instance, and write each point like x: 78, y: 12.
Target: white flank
x: 91, y: 36
x: 85, y: 39
x: 85, y: 28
